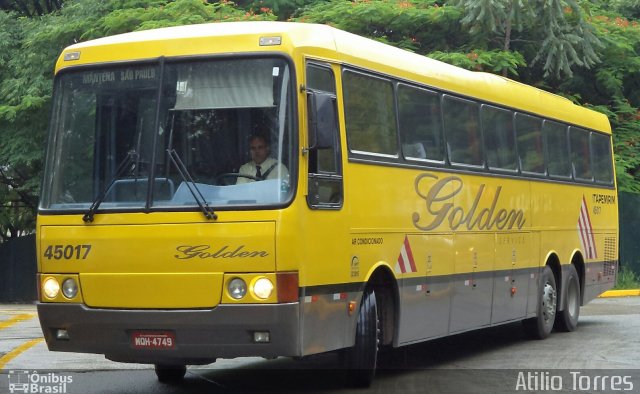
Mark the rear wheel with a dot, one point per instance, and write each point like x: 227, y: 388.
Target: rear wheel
x: 362, y: 357
x: 540, y: 326
x: 170, y: 373
x: 567, y: 319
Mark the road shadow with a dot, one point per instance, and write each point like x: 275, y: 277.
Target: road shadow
x: 406, y: 369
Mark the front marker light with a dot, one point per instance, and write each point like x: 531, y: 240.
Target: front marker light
x: 51, y: 288
x: 237, y: 288
x: 70, y: 288
x: 261, y: 337
x: 62, y: 334
x: 263, y: 288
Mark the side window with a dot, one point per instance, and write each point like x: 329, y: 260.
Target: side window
x: 530, y: 149
x: 325, y: 172
x: 499, y: 139
x: 370, y: 115
x: 580, y: 154
x: 601, y: 159
x: 555, y: 139
x: 420, y: 124
x: 462, y: 131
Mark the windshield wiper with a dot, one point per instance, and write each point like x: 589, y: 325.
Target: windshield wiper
x: 191, y: 185
x: 124, y: 164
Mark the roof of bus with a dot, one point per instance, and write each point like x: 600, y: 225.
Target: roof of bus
x: 331, y: 44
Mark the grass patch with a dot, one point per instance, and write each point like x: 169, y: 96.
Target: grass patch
x: 627, y: 279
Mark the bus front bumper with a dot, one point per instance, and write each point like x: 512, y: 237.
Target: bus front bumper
x: 201, y: 336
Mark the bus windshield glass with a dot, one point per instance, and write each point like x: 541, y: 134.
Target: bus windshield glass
x: 147, y: 136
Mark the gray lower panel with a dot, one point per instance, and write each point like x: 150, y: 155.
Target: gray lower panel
x: 598, y: 278
x: 426, y: 305
x: 326, y: 323
x: 201, y: 335
x: 471, y: 302
x: 512, y: 291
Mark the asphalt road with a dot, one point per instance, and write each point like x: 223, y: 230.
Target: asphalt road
x: 601, y: 356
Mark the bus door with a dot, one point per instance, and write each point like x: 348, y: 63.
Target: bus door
x: 326, y: 245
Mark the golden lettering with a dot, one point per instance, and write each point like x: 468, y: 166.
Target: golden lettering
x: 439, y: 205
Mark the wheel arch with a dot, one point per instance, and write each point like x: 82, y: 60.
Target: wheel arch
x: 383, y: 282
x: 553, y: 261
x: 578, y: 262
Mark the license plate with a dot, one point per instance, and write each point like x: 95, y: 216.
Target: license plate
x: 153, y: 339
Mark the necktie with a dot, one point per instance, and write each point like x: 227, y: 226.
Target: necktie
x: 258, y: 173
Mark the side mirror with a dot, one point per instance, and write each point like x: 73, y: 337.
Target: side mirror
x: 323, y: 121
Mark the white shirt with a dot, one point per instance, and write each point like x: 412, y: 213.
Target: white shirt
x: 250, y: 169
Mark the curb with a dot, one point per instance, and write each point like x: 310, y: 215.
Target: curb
x: 620, y: 293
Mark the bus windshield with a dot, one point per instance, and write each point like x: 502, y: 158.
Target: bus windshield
x: 145, y: 136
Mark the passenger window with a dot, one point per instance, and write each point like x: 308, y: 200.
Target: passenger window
x: 601, y: 159
x: 370, y: 115
x: 420, y: 124
x: 499, y: 140
x: 462, y: 131
x: 530, y: 149
x: 580, y: 154
x: 555, y: 138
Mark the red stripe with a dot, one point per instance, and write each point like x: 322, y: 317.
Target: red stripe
x: 592, y: 253
x: 409, y: 254
x: 582, y: 231
x: 401, y: 263
x: 588, y: 239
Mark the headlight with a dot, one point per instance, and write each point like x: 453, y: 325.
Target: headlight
x: 262, y: 288
x: 69, y: 288
x: 237, y: 288
x: 51, y: 288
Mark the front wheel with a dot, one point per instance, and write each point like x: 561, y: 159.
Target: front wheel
x: 170, y: 373
x: 540, y: 326
x: 362, y: 357
x: 567, y: 319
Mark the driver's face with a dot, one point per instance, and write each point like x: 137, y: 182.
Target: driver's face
x: 259, y: 150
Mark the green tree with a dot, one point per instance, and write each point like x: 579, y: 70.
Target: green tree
x: 415, y: 25
x: 562, y: 38
x: 31, y: 8
x: 283, y: 9
x: 627, y: 8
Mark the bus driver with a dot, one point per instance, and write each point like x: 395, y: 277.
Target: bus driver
x: 261, y: 166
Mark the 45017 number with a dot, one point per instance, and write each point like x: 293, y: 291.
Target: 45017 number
x: 67, y: 252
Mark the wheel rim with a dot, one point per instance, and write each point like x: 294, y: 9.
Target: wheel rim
x: 548, y: 302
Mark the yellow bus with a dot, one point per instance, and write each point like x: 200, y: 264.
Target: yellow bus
x: 282, y: 189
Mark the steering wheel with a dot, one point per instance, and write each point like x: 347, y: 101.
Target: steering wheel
x: 236, y: 175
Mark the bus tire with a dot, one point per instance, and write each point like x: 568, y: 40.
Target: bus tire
x: 567, y: 319
x: 170, y: 373
x: 362, y: 357
x: 540, y: 327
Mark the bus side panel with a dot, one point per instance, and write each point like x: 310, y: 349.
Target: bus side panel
x: 491, y: 217
x: 514, y: 276
x: 516, y: 262
x: 387, y: 206
x: 426, y: 299
x: 580, y: 227
x: 473, y: 281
